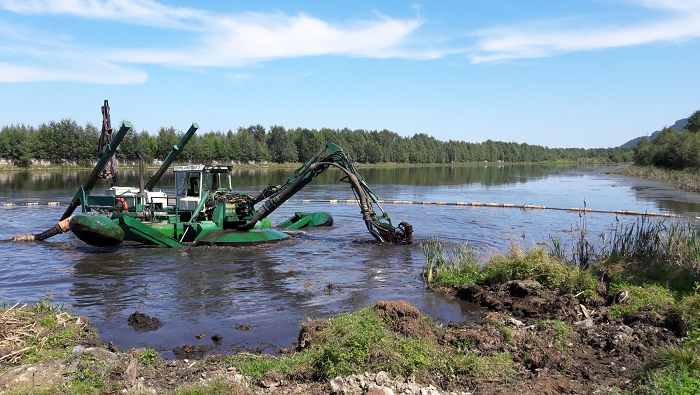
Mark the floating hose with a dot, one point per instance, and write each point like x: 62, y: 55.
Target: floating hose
x: 61, y: 227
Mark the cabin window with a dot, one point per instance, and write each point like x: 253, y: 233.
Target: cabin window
x: 181, y: 185
x: 208, y: 181
x: 187, y: 184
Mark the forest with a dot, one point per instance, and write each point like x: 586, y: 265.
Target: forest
x: 672, y: 149
x: 66, y: 141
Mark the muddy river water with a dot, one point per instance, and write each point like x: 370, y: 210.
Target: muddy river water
x: 275, y: 287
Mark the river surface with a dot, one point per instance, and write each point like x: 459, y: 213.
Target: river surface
x: 275, y: 287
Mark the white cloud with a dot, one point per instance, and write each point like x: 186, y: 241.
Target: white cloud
x: 102, y: 73
x: 145, y: 12
x: 46, y: 56
x: 236, y: 40
x: 233, y: 40
x: 534, y: 40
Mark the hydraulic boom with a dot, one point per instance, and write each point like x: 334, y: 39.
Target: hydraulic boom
x: 379, y: 226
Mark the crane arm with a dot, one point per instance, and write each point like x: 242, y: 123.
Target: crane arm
x: 379, y: 226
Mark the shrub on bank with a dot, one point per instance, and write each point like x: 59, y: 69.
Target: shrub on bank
x: 516, y: 264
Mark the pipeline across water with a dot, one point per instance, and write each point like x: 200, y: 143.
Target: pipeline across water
x: 460, y: 204
x: 509, y: 206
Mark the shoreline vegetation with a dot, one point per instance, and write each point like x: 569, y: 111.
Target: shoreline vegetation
x: 614, y: 314
x: 295, y: 165
x: 66, y: 141
x: 672, y: 156
x: 687, y: 179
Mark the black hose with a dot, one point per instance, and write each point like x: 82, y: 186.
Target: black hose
x: 282, y: 196
x: 49, y: 233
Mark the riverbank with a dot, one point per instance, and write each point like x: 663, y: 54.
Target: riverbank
x: 688, y: 180
x: 10, y: 167
x: 546, y: 327
x: 621, y: 326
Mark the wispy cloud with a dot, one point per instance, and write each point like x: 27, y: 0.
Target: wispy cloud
x: 31, y: 55
x: 548, y: 38
x: 236, y: 40
x: 103, y: 73
x: 233, y: 40
x: 145, y: 12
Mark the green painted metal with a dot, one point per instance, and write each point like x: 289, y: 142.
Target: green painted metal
x: 199, y: 208
x: 96, y: 230
x: 303, y: 220
x: 256, y: 235
x: 146, y: 232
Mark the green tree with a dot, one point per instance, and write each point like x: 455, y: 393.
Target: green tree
x: 693, y: 125
x: 308, y: 144
x: 281, y: 145
x: 165, y: 141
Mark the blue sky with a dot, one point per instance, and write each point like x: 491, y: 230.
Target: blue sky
x: 557, y: 73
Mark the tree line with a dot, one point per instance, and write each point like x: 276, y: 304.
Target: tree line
x: 671, y: 148
x: 67, y: 141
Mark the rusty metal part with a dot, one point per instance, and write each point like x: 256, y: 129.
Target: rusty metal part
x: 27, y: 237
x: 65, y: 224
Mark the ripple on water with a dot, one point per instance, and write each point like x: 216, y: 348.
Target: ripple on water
x: 275, y: 287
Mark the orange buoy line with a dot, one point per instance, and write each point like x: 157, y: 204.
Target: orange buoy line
x: 511, y: 206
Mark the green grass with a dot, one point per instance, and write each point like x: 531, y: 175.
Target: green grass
x: 148, y: 358
x: 688, y: 179
x: 659, y: 298
x: 440, y: 258
x: 672, y: 370
x: 217, y: 387
x: 518, y: 264
x: 506, y: 332
x: 361, y: 342
x: 563, y: 333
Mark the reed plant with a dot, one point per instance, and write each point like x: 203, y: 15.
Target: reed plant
x: 441, y: 258
x: 662, y: 243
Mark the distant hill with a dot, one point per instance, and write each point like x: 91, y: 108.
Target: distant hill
x: 678, y: 126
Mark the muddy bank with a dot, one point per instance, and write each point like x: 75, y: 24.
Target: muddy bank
x: 532, y: 340
x: 564, y: 344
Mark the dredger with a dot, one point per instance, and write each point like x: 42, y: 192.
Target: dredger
x: 204, y: 209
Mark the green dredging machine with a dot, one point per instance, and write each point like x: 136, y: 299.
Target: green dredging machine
x: 205, y: 210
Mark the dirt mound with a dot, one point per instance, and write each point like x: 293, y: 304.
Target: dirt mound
x: 307, y: 333
x: 398, y: 309
x: 407, y: 320
x: 561, y: 340
x: 144, y: 323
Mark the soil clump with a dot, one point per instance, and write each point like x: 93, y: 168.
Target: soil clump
x: 143, y: 323
x: 564, y: 344
x: 192, y: 352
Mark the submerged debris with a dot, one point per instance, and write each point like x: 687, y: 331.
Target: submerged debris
x: 192, y: 352
x: 243, y: 327
x: 144, y: 323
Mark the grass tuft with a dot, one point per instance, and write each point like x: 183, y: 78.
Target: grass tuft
x: 363, y: 341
